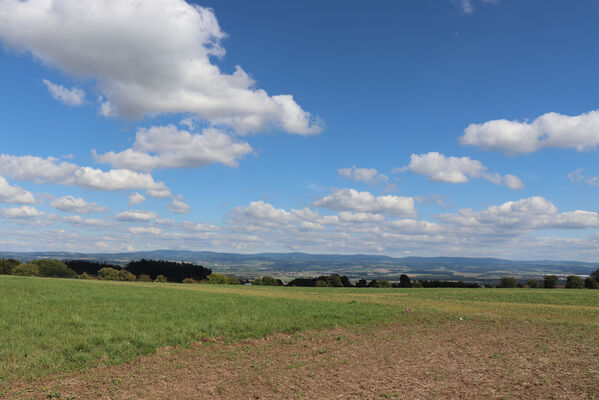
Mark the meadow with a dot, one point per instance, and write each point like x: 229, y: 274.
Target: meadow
x: 51, y: 327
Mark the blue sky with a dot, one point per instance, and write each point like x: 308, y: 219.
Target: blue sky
x: 403, y: 128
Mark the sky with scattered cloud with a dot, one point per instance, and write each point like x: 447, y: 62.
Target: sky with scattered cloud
x: 446, y: 127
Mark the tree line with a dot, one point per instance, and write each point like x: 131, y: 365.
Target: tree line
x: 171, y: 271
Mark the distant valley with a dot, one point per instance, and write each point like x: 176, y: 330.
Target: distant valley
x: 290, y: 265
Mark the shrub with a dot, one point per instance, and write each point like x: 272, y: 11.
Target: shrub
x: 595, y: 275
x: 549, y: 281
x: 7, y: 265
x: 108, y: 274
x: 362, y: 283
x: 127, y: 276
x: 54, y: 269
x: 267, y: 281
x: 507, y: 282
x: 189, y: 280
x: 85, y: 275
x: 532, y: 283
x: 574, y: 282
x: 590, y: 283
x: 161, y: 279
x: 144, y: 278
x: 26, y: 270
x: 381, y: 283
x: 321, y: 283
x: 221, y: 279
x: 416, y: 284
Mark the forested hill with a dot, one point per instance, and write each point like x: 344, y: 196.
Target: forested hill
x: 358, y: 265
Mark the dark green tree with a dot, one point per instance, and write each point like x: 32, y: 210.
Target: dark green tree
x: 7, y: 265
x: 54, y: 269
x: 549, y: 281
x: 507, y: 282
x: 532, y: 283
x: 404, y: 281
x: 590, y: 283
x: 574, y: 282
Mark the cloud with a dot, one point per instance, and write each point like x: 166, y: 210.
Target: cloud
x: 136, y: 216
x: 439, y: 168
x: 168, y: 147
x: 580, y: 132
x: 146, y: 229
x: 77, y: 205
x: 78, y: 220
x: 178, y: 205
x: 524, y: 215
x: 24, y: 212
x: 352, y: 200
x: 71, y: 97
x: 14, y: 194
x: 135, y: 198
x: 578, y: 177
x: 148, y: 57
x: 464, y: 5
x: 368, y: 175
x: 51, y: 170
x: 467, y: 7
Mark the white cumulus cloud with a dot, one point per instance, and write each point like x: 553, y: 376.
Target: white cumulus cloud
x: 14, y: 194
x: 71, y: 97
x: 580, y: 132
x: 178, y: 206
x: 136, y: 198
x: 440, y: 168
x: 368, y: 175
x: 148, y: 57
x: 136, y: 216
x: 77, y: 205
x: 24, y: 212
x: 352, y: 200
x: 51, y: 170
x: 168, y: 147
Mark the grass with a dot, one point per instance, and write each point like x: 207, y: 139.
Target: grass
x: 59, y: 325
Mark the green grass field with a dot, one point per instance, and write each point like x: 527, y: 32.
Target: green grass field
x: 59, y: 325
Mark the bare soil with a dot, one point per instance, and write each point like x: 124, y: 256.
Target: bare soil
x: 452, y: 360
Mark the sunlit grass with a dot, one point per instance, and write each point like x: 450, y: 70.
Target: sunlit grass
x: 59, y: 325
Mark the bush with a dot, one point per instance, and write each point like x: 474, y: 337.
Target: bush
x: 416, y: 284
x: 595, y: 276
x: 7, y: 265
x: 381, y: 283
x: 362, y: 283
x: 321, y: 283
x: 189, y: 280
x: 507, y: 282
x: 108, y: 274
x: 85, y: 275
x: 532, y: 283
x: 221, y: 279
x: 127, y: 276
x: 267, y: 281
x: 26, y: 270
x: 574, y: 282
x: 54, y: 269
x: 161, y: 279
x: 590, y: 283
x: 549, y: 281
x: 144, y: 278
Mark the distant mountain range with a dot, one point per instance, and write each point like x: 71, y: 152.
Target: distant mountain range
x: 288, y: 265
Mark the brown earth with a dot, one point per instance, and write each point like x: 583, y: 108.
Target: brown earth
x: 456, y: 360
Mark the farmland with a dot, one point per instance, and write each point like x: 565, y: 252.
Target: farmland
x: 81, y: 339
